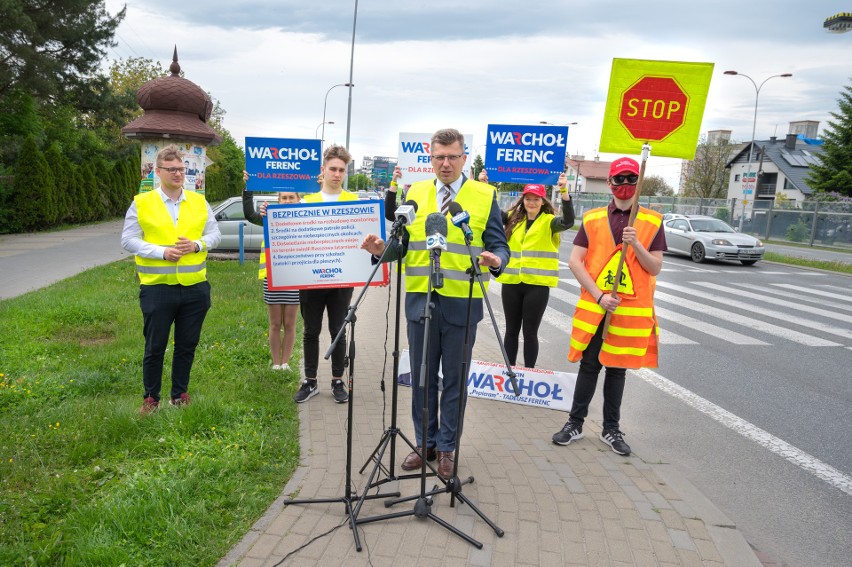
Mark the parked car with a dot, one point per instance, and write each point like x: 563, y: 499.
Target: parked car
x: 362, y: 195
x: 229, y: 215
x: 701, y: 237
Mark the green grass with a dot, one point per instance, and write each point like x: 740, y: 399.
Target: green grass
x: 840, y: 267
x: 84, y: 479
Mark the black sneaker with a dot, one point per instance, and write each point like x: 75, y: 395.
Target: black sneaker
x: 615, y: 439
x: 339, y: 391
x: 307, y: 390
x: 571, y: 431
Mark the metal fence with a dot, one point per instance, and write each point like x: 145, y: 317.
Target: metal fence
x: 811, y: 222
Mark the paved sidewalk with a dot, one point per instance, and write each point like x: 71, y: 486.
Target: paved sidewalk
x: 575, y: 505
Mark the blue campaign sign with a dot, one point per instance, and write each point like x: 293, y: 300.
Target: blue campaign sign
x: 525, y: 154
x: 283, y: 164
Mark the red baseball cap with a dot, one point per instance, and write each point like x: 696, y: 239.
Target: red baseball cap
x: 624, y: 165
x: 537, y: 190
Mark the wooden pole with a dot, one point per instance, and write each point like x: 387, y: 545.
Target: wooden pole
x: 634, y: 210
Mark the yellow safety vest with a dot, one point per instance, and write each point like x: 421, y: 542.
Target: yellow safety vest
x: 317, y: 197
x: 631, y: 340
x: 534, y: 255
x: 474, y: 197
x: 159, y: 228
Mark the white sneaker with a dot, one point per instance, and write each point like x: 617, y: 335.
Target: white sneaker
x: 285, y: 367
x: 276, y: 367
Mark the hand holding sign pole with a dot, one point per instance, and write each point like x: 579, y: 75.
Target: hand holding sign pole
x: 659, y: 102
x: 634, y: 209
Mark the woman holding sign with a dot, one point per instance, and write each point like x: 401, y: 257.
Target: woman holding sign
x: 283, y: 306
x: 532, y: 229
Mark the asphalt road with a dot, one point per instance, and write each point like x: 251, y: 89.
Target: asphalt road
x: 751, y: 398
x: 751, y: 402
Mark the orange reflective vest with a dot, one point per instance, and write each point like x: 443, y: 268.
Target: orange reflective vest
x: 631, y: 339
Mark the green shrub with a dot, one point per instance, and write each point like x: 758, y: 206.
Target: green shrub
x: 797, y: 232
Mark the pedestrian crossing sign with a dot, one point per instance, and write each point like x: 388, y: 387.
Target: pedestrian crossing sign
x: 606, y: 278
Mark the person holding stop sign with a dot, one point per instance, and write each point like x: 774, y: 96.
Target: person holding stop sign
x: 630, y: 341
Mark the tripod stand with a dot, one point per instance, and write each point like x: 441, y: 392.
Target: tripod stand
x: 349, y: 497
x: 423, y: 505
x: 389, y: 436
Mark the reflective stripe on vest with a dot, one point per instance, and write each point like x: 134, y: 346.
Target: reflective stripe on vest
x: 631, y: 340
x: 474, y: 197
x: 159, y: 228
x: 261, y: 270
x: 534, y: 255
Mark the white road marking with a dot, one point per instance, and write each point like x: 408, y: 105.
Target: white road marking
x: 818, y: 292
x: 695, y: 324
x: 820, y: 300
x: 788, y: 304
x: 751, y: 308
x: 750, y: 431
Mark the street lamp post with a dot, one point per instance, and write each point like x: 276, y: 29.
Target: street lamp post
x: 325, y: 105
x: 316, y: 130
x: 350, y: 85
x: 751, y: 146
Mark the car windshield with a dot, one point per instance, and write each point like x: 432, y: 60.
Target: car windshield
x: 710, y: 225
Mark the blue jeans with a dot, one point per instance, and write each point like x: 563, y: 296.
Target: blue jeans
x: 446, y: 347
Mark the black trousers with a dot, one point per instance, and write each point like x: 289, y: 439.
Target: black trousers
x: 313, y: 302
x: 523, y: 306
x: 587, y: 381
x: 163, y: 305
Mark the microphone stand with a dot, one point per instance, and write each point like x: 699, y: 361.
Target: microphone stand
x: 349, y: 496
x: 423, y: 505
x: 454, y: 484
x: 390, y: 434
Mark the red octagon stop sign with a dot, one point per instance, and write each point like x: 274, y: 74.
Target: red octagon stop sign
x: 653, y: 108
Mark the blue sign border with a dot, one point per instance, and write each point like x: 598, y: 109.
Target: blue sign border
x: 297, y: 172
x: 504, y: 164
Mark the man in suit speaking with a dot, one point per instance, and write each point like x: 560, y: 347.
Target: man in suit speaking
x: 447, y: 327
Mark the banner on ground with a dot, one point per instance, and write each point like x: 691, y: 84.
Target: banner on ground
x: 525, y: 154
x: 318, y: 245
x: 414, y: 157
x: 538, y: 387
x: 656, y: 102
x: 283, y: 164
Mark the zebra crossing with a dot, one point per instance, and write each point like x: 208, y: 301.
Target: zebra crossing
x: 737, y: 313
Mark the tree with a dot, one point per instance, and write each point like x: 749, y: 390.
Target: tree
x: 478, y: 165
x: 708, y: 174
x: 656, y: 185
x: 834, y: 172
x: 33, y: 200
x: 359, y: 181
x: 49, y: 48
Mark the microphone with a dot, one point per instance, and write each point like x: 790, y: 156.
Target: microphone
x: 405, y: 214
x: 460, y: 219
x: 436, y: 241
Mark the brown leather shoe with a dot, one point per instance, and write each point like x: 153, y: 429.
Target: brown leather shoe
x: 445, y: 464
x: 413, y: 461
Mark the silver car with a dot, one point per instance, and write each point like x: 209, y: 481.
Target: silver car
x: 701, y: 237
x: 229, y: 215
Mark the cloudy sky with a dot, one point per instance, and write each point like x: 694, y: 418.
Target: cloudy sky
x: 419, y: 66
